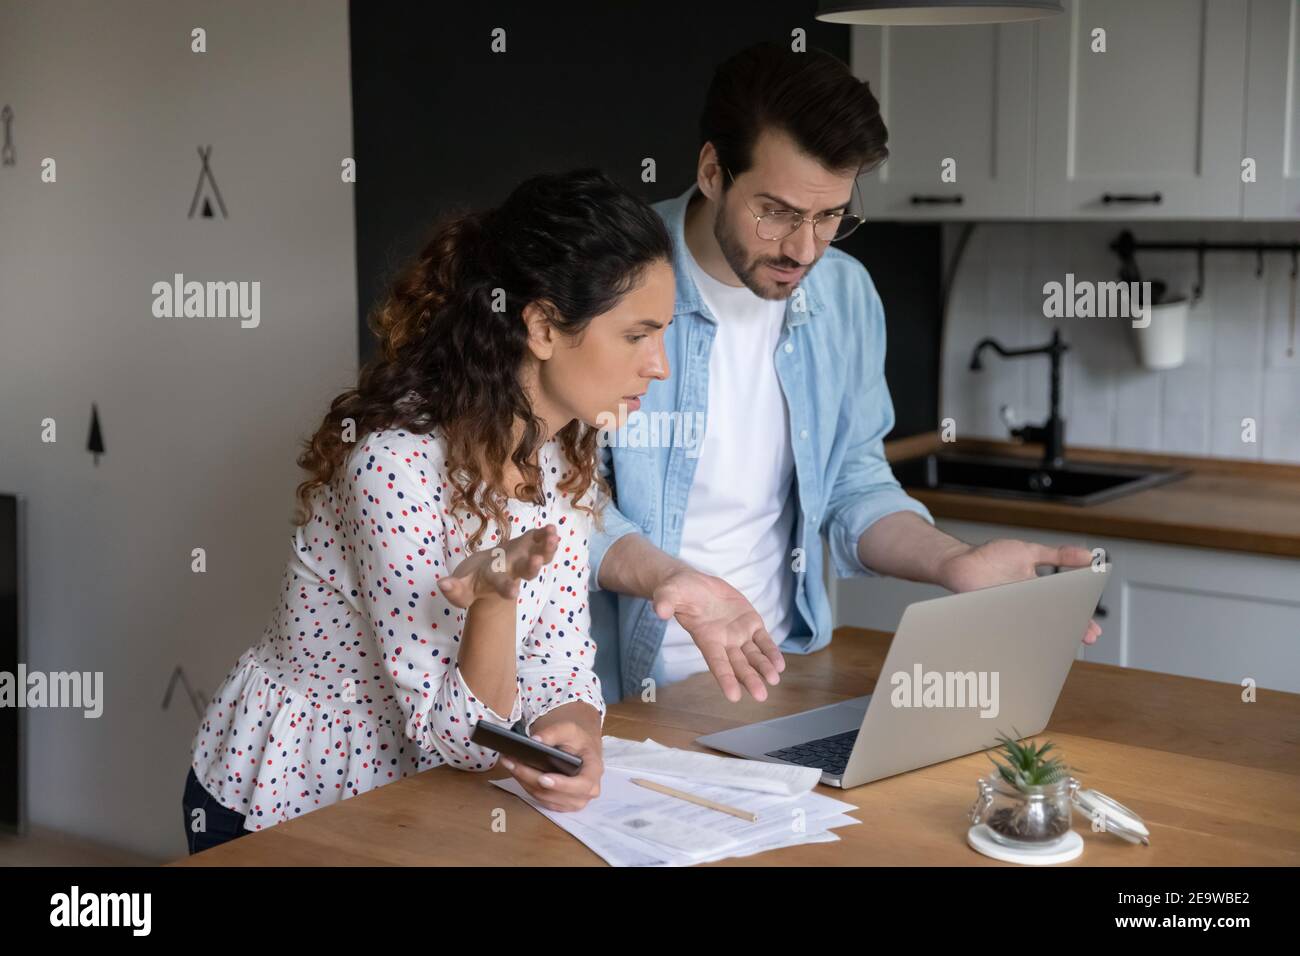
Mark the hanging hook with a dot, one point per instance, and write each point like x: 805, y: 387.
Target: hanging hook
x: 1295, y: 261
x: 1259, y: 261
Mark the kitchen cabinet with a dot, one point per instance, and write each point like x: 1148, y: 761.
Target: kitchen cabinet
x: 962, y: 94
x: 1042, y: 124
x: 1197, y: 612
x: 1152, y: 128
x: 1273, y: 110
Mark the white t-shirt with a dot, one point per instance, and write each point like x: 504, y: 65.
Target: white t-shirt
x: 740, y: 513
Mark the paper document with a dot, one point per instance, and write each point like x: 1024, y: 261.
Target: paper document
x: 630, y: 825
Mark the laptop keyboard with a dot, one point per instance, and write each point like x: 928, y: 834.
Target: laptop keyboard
x: 830, y: 754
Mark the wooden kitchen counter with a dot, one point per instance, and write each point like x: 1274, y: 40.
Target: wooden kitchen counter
x: 1217, y: 781
x: 1235, y: 505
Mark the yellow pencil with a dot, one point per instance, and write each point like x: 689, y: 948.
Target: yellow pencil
x: 692, y: 798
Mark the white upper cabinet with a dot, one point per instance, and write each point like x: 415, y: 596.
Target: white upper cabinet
x: 1152, y: 128
x: 1273, y: 110
x: 1041, y: 122
x: 961, y: 96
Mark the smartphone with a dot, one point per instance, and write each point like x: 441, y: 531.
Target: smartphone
x: 525, y: 749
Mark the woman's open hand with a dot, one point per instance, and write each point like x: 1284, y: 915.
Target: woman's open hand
x: 496, y: 572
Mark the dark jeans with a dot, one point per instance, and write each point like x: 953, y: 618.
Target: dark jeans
x: 219, y: 824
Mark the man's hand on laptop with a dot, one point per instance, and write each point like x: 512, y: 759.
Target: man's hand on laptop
x: 726, y: 628
x: 1005, y: 560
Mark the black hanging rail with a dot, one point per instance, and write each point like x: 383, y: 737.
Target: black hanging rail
x: 1126, y: 245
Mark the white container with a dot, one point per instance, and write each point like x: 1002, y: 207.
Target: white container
x: 1162, y: 343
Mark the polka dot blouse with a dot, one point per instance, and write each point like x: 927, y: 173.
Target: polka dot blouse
x: 354, y: 683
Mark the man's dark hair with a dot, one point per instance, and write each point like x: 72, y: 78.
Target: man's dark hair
x: 811, y: 97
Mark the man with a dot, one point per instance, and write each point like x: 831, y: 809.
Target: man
x: 712, y: 551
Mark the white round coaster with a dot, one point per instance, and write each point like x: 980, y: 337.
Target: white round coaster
x: 1066, y: 848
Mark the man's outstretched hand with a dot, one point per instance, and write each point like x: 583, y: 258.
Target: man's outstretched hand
x: 726, y: 628
x: 1005, y: 560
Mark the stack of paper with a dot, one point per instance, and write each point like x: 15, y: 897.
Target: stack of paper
x: 630, y: 825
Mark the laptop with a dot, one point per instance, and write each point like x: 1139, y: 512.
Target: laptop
x: 961, y: 670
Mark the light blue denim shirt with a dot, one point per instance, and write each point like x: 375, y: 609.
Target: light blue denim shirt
x: 830, y: 362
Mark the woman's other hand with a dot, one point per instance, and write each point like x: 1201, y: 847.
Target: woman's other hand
x: 496, y: 572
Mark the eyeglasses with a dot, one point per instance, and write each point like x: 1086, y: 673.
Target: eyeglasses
x: 828, y: 227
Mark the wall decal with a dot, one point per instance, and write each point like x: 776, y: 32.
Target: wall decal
x: 198, y: 700
x: 7, y: 155
x: 95, y: 444
x: 205, y: 175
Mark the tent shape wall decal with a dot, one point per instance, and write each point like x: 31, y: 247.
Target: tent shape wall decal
x: 205, y: 176
x: 198, y: 700
x: 95, y: 444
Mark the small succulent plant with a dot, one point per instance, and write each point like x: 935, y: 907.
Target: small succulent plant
x: 1026, y: 767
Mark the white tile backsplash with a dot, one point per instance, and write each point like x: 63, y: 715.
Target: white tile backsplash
x: 1236, y: 341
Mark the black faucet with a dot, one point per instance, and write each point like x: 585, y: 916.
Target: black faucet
x: 1052, y: 432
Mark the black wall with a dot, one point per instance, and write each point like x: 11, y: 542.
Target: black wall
x: 441, y: 122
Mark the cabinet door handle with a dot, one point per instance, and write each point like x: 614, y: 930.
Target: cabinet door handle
x: 1108, y: 198
x: 919, y: 200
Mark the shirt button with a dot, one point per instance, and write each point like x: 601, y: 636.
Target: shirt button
x: 789, y: 346
x: 803, y: 433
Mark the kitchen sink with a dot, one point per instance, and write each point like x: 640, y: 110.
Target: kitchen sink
x: 1076, y: 483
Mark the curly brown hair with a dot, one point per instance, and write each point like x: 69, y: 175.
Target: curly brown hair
x: 452, y: 337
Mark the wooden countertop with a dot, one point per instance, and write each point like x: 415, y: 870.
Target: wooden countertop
x: 1223, y: 503
x: 1216, y: 780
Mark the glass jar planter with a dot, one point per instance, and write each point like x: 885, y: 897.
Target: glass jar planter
x: 1026, y: 819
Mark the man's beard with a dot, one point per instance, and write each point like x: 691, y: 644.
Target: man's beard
x: 748, y: 274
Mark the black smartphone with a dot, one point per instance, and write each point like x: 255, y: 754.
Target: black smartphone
x: 525, y: 749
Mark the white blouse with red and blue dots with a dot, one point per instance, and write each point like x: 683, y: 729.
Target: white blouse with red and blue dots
x: 354, y: 682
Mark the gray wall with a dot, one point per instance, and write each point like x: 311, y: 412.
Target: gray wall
x: 201, y: 417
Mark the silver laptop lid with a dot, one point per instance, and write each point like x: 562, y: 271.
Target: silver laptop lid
x: 964, y: 667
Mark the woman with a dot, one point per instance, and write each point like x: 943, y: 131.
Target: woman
x: 438, y: 573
